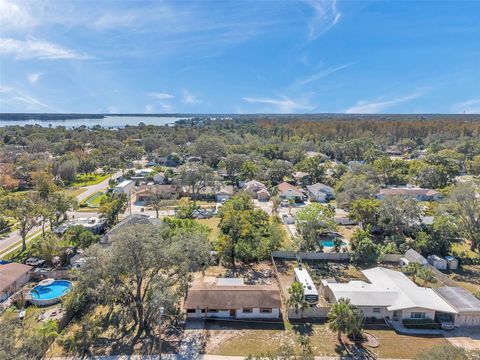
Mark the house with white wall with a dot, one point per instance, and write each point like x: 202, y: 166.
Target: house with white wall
x: 389, y: 294
x: 236, y: 301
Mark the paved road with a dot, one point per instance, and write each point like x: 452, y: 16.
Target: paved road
x: 14, y: 237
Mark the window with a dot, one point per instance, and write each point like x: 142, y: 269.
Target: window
x: 190, y: 311
x: 212, y: 310
x: 265, y: 310
x: 417, y: 315
x: 376, y: 310
x: 247, y: 310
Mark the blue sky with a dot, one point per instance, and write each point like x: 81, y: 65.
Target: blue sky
x: 240, y: 56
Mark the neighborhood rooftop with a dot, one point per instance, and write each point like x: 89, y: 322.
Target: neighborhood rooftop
x: 461, y: 299
x: 233, y: 297
x: 392, y: 289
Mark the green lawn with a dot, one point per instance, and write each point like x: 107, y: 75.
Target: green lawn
x: 94, y: 200
x: 89, y: 179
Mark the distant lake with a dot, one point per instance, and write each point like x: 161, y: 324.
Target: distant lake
x: 107, y: 122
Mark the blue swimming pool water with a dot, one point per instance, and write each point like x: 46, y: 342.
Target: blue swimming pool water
x: 329, y: 243
x: 56, y: 289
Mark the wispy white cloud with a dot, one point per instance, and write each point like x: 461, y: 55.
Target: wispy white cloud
x: 283, y: 104
x: 14, y: 16
x: 34, y: 77
x: 37, y: 49
x: 22, y: 101
x: 471, y: 106
x: 161, y: 96
x: 149, y: 109
x: 325, y: 17
x: 323, y: 74
x: 379, y: 106
x: 189, y: 98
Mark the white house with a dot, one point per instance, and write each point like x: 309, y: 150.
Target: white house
x: 143, y: 172
x: 390, y: 294
x: 236, y: 301
x: 125, y: 187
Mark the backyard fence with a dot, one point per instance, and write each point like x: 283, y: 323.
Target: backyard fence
x: 316, y: 312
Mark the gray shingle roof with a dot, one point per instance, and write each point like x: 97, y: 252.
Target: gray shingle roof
x: 461, y: 299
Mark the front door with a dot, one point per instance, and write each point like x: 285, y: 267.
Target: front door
x: 232, y: 312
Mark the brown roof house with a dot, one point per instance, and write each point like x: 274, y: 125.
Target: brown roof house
x: 410, y: 192
x: 289, y: 192
x: 233, y: 299
x: 12, y: 278
x: 145, y: 192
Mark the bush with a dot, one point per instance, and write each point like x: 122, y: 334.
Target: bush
x: 420, y: 324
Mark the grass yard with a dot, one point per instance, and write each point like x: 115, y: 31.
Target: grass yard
x: 212, y: 224
x: 94, y: 200
x: 89, y: 179
x: 234, y: 340
x: 468, y: 277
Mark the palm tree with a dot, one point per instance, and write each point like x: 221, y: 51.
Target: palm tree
x: 413, y: 269
x: 275, y: 204
x: 290, y: 205
x: 47, y: 332
x: 297, y: 296
x: 426, y: 275
x: 344, y: 318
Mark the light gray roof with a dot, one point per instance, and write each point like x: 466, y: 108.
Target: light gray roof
x: 319, y: 187
x: 461, y: 299
x: 391, y: 289
x: 413, y: 256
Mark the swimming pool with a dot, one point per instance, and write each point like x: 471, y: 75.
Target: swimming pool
x: 329, y: 243
x: 49, y: 292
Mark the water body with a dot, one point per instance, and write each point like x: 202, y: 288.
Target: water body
x: 107, y: 122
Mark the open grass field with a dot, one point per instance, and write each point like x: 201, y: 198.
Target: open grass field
x: 89, y: 179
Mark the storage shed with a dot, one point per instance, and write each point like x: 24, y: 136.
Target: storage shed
x: 467, y: 305
x: 452, y: 262
x: 437, y: 262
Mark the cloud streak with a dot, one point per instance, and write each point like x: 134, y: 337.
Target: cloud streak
x: 326, y: 16
x: 379, y: 106
x: 189, y: 98
x: 323, y: 74
x: 34, y: 77
x: 22, y: 101
x: 471, y: 106
x: 37, y: 49
x: 161, y: 96
x: 283, y: 104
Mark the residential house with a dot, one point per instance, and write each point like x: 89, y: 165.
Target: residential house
x: 256, y: 190
x: 300, y: 177
x: 218, y: 192
x: 466, y: 305
x: 130, y: 220
x: 320, y: 192
x: 171, y: 160
x: 159, y: 178
x: 237, y: 301
x: 410, y: 192
x: 12, y: 278
x: 125, y: 187
x: 287, y: 191
x: 145, y: 192
x: 142, y: 173
x: 94, y: 224
x: 390, y: 294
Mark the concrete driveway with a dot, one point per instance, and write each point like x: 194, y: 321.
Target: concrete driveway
x: 467, y: 338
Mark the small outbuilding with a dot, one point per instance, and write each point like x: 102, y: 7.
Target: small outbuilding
x: 413, y: 256
x: 12, y: 277
x: 437, y: 262
x: 452, y: 262
x: 466, y: 305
